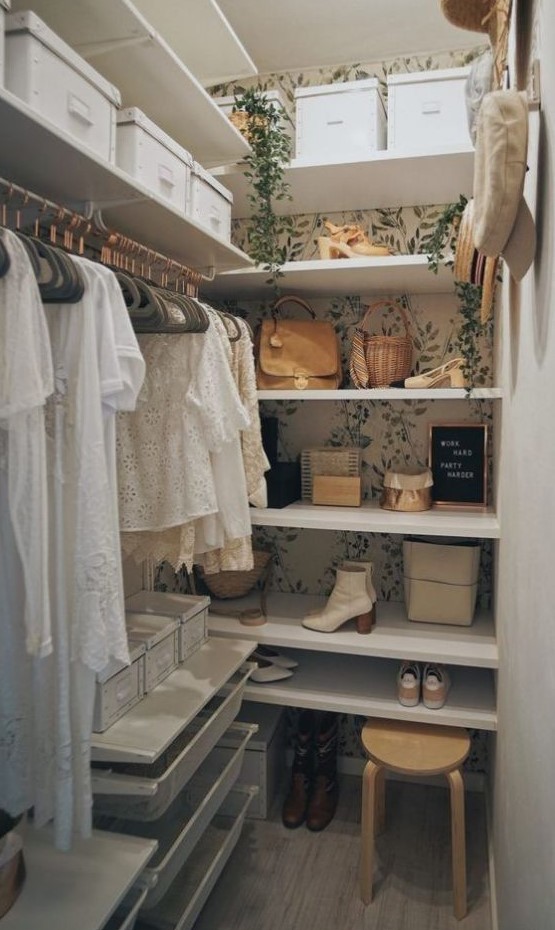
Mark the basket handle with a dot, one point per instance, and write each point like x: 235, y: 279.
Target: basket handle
x: 292, y: 299
x: 385, y: 305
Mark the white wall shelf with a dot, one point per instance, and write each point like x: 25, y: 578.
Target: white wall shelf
x: 394, y: 274
x: 360, y: 685
x: 121, y: 44
x: 386, y: 179
x: 393, y: 637
x: 77, y: 890
x: 149, y: 727
x: 393, y: 394
x: 370, y: 518
x: 37, y: 155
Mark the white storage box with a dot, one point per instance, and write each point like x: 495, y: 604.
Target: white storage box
x: 152, y: 157
x: 159, y: 635
x: 190, y: 611
x: 339, y: 122
x: 210, y: 203
x: 60, y: 85
x: 264, y: 762
x: 118, y: 688
x: 275, y: 97
x: 4, y: 5
x: 427, y: 110
x: 441, y: 579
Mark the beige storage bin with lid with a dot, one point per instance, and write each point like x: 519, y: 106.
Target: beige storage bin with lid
x: 190, y: 611
x: 159, y: 636
x: 118, y: 688
x: 339, y: 122
x: 427, y: 110
x: 441, y: 579
x: 152, y: 157
x: 61, y: 86
x: 4, y: 5
x: 210, y: 203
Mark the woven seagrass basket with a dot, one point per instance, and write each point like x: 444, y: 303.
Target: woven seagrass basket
x: 225, y: 585
x: 378, y: 361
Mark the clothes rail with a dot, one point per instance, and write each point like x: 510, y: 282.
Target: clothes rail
x: 74, y: 232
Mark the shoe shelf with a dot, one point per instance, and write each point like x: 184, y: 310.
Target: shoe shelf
x: 393, y: 394
x: 87, y: 180
x: 78, y: 890
x: 386, y: 179
x: 393, y: 637
x: 393, y: 274
x: 123, y: 46
x: 371, y: 518
x: 348, y: 684
x: 149, y: 727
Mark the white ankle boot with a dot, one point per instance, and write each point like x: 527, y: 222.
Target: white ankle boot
x: 349, y: 599
x: 369, y: 569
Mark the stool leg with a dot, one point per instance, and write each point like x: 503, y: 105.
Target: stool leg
x: 379, y: 810
x: 369, y: 778
x: 458, y: 846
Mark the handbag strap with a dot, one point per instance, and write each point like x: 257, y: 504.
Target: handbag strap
x: 292, y: 299
x: 385, y: 305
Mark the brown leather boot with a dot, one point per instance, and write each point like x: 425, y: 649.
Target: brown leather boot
x: 323, y: 800
x: 295, y: 805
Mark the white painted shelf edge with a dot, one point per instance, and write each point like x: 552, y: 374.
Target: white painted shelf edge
x: 393, y: 394
x: 370, y: 518
x: 368, y: 687
x: 149, y: 727
x: 393, y: 637
x: 81, y: 889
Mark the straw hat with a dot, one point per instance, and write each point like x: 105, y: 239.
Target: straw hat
x: 473, y: 267
x: 488, y: 16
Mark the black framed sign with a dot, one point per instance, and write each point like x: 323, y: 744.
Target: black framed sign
x: 458, y: 461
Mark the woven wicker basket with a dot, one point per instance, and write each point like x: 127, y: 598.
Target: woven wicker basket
x: 225, y: 585
x: 241, y: 119
x: 377, y: 361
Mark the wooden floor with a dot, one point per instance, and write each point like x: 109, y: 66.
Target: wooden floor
x: 280, y: 879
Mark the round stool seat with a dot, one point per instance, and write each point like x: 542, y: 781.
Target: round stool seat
x: 415, y: 748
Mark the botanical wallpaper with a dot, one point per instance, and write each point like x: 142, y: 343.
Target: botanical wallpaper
x: 388, y: 433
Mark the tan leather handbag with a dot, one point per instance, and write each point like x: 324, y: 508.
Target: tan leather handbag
x: 297, y: 354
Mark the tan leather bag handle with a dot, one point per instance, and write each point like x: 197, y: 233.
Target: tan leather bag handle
x: 384, y: 305
x: 292, y: 299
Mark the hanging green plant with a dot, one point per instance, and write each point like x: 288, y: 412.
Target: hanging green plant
x: 441, y: 247
x: 261, y: 122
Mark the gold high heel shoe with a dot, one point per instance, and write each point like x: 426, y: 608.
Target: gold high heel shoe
x: 451, y: 374
x: 348, y: 242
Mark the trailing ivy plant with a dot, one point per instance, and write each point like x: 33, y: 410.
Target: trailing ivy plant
x: 441, y: 249
x: 265, y: 173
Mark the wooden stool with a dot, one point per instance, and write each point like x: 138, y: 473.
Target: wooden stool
x: 412, y: 749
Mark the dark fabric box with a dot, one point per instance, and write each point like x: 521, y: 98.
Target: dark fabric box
x: 284, y: 484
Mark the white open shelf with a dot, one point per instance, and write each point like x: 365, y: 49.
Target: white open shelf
x: 393, y: 637
x: 348, y: 684
x: 149, y: 727
x: 386, y: 179
x: 371, y: 518
x: 122, y: 45
x: 391, y: 274
x: 488, y: 393
x: 38, y: 155
x: 77, y: 890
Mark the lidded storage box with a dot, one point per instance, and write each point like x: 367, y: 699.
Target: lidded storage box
x: 190, y: 611
x: 152, y: 157
x: 210, y: 203
x: 159, y: 636
x: 339, y: 122
x: 118, y: 688
x: 441, y: 579
x: 55, y: 81
x: 427, y: 109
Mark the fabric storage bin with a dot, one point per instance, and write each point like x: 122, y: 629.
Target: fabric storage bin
x: 339, y: 122
x: 152, y: 157
x: 4, y: 5
x: 407, y: 489
x: 264, y: 761
x: 275, y: 97
x: 441, y: 579
x: 118, y: 688
x: 427, y: 109
x: 190, y: 611
x: 144, y: 792
x: 210, y: 203
x: 55, y: 81
x: 159, y: 635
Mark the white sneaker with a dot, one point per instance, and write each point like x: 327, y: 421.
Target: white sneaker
x: 408, y: 684
x: 435, y: 685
